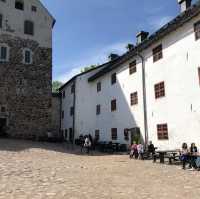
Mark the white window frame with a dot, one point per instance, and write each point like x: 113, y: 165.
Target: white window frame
x: 8, y: 53
x: 31, y: 58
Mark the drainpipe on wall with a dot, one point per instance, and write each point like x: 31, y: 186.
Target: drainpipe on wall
x: 144, y: 99
x: 74, y: 105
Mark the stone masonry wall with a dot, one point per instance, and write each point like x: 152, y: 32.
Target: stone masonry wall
x: 25, y: 90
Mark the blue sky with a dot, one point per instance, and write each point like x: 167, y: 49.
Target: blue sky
x: 86, y: 31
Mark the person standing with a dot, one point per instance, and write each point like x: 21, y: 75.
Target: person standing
x: 87, y: 144
x: 193, y: 156
x: 184, y: 154
x: 140, y: 149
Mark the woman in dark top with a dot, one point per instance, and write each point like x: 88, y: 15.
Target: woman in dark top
x: 193, y: 152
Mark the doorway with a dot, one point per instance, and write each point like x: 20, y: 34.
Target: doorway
x: 3, y: 122
x: 135, y: 135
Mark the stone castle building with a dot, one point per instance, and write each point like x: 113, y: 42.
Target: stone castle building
x: 25, y: 69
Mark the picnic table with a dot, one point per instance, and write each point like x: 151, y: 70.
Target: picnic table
x: 171, y: 154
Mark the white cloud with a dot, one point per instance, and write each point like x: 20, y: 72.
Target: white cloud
x: 97, y: 56
x: 158, y: 22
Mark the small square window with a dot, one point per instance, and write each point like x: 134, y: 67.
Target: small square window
x: 134, y: 98
x: 34, y: 8
x: 98, y: 109
x: 162, y: 131
x: 3, y: 109
x: 63, y: 114
x: 113, y: 78
x: 71, y: 111
x: 63, y: 94
x: 132, y: 67
x: 113, y: 105
x: 27, y: 57
x: 114, y: 133
x: 97, y: 134
x: 126, y: 134
x: 3, y: 53
x: 157, y: 53
x: 159, y: 90
x: 19, y: 5
x: 72, y: 89
x: 98, y: 86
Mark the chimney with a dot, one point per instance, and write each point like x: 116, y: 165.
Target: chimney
x: 130, y: 47
x: 141, y: 36
x: 113, y: 56
x: 184, y: 4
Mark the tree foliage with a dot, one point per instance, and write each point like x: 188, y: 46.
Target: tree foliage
x: 55, y: 86
x: 87, y: 68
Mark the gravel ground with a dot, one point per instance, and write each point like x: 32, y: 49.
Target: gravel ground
x: 31, y: 170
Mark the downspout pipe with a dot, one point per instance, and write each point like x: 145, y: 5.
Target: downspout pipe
x: 144, y: 99
x: 74, y: 107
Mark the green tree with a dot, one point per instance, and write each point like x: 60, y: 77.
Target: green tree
x: 87, y: 68
x: 56, y: 85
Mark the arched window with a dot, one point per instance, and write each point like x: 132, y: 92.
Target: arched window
x: 27, y: 56
x: 28, y: 27
x: 19, y: 4
x: 1, y: 20
x: 4, y: 53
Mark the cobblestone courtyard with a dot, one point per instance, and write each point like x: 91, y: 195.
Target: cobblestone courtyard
x: 35, y: 170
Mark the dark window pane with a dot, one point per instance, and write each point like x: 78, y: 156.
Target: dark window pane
x: 28, y: 27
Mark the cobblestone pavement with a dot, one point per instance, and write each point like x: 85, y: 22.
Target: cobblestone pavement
x: 30, y: 170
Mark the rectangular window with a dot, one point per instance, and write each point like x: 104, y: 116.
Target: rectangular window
x: 66, y: 134
x: 28, y: 27
x: 98, y: 109
x: 162, y: 131
x: 132, y: 67
x: 34, y: 8
x: 63, y: 94
x: 3, y: 53
x: 98, y: 86
x: 134, y: 98
x: 19, y: 5
x: 71, y: 111
x: 126, y: 136
x: 71, y: 135
x: 97, y: 134
x: 1, y: 20
x: 197, y: 30
x: 72, y: 89
x: 114, y: 133
x: 63, y: 114
x: 27, y: 57
x: 157, y: 53
x: 113, y: 105
x: 199, y: 74
x: 159, y: 90
x: 113, y: 78
x: 3, y: 109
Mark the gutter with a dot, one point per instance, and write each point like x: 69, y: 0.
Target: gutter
x: 144, y: 99
x: 74, y: 107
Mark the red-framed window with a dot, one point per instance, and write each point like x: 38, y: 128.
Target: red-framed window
x: 157, y: 53
x: 162, y: 131
x: 159, y: 90
x: 132, y: 67
x: 134, y: 98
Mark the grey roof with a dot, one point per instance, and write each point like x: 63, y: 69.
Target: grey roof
x: 177, y: 22
x: 83, y: 73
